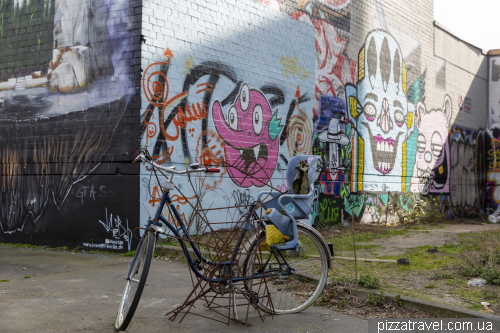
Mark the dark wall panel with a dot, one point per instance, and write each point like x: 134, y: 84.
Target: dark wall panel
x: 69, y: 123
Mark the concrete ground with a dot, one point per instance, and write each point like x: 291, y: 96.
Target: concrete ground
x: 80, y: 292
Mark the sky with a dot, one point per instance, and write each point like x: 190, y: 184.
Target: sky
x: 475, y: 21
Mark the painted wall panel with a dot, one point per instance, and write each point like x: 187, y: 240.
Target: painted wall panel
x: 242, y: 83
x: 67, y: 125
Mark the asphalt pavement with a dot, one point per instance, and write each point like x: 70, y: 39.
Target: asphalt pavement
x: 80, y: 292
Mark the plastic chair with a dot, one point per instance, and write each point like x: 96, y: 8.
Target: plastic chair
x: 295, y: 206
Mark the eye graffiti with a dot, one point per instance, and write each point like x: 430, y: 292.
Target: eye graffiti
x: 421, y: 143
x: 370, y: 112
x: 233, y: 118
x: 397, y: 70
x: 258, y: 119
x: 250, y: 134
x: 385, y: 64
x: 399, y: 118
x: 436, y: 144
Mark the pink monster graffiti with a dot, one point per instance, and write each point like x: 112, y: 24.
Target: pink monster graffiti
x: 250, y: 133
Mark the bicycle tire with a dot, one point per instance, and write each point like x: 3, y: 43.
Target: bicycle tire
x: 131, y: 295
x: 309, y: 278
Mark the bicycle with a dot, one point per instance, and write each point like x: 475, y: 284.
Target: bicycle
x: 295, y: 271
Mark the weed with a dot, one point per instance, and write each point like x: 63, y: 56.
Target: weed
x: 26, y: 246
x: 430, y: 286
x: 129, y: 254
x: 398, y: 300
x: 489, y: 294
x: 492, y: 275
x: 323, y: 300
x: 101, y: 252
x: 443, y: 276
x: 380, y: 298
x: 4, y: 280
x: 343, y: 303
x: 482, y: 258
x: 78, y: 249
x: 27, y: 276
x: 370, y: 282
x: 411, y: 209
x: 341, y: 281
x: 377, y: 299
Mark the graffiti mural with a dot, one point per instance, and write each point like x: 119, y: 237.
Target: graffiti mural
x: 82, y: 87
x: 335, y: 12
x: 463, y: 174
x: 250, y: 132
x: 62, y: 118
x: 367, y: 118
x: 431, y: 173
x: 493, y: 178
x: 492, y: 140
x: 217, y: 110
x: 494, y: 95
x: 382, y: 116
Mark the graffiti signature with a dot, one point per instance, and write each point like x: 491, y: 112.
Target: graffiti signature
x: 119, y: 230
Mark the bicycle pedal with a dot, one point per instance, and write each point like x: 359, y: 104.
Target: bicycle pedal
x: 198, y: 264
x: 254, y: 298
x: 127, y: 278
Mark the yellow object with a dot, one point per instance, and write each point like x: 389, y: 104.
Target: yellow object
x: 353, y: 106
x: 268, y: 211
x: 264, y: 246
x: 361, y: 64
x: 410, y: 119
x: 274, y: 236
x: 404, y: 77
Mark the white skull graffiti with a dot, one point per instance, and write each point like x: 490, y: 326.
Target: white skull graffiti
x: 384, y: 116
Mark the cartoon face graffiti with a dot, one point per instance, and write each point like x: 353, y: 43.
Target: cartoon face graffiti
x: 431, y: 172
x: 494, y: 96
x: 250, y: 131
x: 381, y: 112
x: 337, y: 4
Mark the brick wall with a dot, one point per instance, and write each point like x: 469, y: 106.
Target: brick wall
x: 393, y: 103
x: 492, y: 137
x: 360, y: 83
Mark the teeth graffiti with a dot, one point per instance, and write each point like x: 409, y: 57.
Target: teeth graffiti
x: 383, y: 152
x: 241, y: 152
x: 385, y: 146
x: 383, y: 166
x: 256, y: 151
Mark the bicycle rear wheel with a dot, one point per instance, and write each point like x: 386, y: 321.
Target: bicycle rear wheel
x: 294, y: 292
x: 135, y: 282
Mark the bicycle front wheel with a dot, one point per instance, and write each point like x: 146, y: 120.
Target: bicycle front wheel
x: 288, y: 292
x: 135, y: 282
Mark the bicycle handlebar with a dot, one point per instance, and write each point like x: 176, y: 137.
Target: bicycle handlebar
x: 143, y: 158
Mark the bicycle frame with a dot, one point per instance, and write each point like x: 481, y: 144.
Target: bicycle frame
x: 158, y: 219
